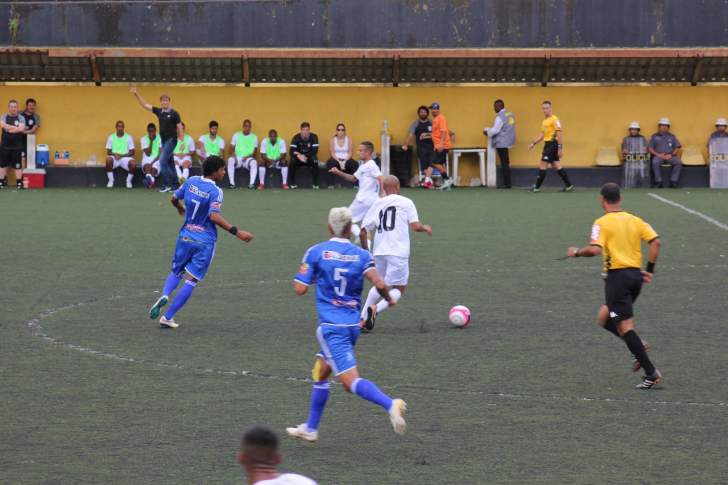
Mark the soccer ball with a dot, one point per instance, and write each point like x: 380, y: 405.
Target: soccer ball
x: 459, y: 316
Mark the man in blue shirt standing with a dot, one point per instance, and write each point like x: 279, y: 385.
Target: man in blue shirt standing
x: 199, y: 201
x: 338, y: 268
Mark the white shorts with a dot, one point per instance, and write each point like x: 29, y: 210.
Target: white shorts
x: 394, y: 269
x: 359, y: 209
x: 147, y: 160
x: 181, y: 160
x: 122, y: 162
x: 242, y: 162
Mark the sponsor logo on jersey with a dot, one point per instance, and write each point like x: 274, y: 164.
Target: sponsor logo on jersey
x: 195, y: 190
x: 334, y: 256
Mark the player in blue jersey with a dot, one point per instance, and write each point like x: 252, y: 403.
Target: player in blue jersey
x: 199, y: 201
x: 338, y: 269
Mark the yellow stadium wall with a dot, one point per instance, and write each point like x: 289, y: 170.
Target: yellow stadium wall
x: 79, y: 118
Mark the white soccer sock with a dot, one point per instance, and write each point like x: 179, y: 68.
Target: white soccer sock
x: 261, y: 175
x: 186, y: 173
x: 231, y: 170
x: 284, y: 175
x: 384, y: 304
x: 130, y: 177
x: 253, y: 171
x: 355, y: 230
x: 179, y: 171
x: 110, y: 175
x: 372, y: 298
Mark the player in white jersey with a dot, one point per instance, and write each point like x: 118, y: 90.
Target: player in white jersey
x: 259, y: 457
x: 390, y: 218
x: 370, y: 180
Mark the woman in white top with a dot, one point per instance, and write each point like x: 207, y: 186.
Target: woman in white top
x: 341, y: 149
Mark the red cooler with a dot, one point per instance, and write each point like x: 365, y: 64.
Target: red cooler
x: 34, y: 178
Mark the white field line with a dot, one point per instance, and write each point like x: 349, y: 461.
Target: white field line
x: 690, y: 211
x: 37, y: 330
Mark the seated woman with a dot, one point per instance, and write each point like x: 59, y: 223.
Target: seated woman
x: 341, y: 149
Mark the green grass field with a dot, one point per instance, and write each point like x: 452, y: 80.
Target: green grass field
x: 92, y: 391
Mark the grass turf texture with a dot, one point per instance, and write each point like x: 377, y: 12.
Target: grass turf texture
x: 531, y: 392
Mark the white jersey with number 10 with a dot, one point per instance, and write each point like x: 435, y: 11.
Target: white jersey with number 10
x: 390, y: 218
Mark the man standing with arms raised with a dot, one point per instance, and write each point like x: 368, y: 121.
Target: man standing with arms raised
x: 170, y: 130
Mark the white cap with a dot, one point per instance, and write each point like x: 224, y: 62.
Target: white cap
x: 634, y: 125
x: 339, y: 218
x: 664, y: 121
x: 721, y: 122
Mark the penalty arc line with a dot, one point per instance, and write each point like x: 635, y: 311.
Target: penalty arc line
x: 690, y: 211
x: 36, y: 328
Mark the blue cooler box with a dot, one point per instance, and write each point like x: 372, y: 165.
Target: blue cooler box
x: 42, y: 156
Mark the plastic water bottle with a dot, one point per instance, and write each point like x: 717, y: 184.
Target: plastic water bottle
x: 66, y: 155
x: 57, y: 155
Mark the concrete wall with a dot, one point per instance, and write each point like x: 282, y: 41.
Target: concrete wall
x: 370, y: 23
x: 79, y: 118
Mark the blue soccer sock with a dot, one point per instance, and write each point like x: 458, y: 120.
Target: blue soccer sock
x: 319, y: 397
x: 180, y: 299
x: 171, y: 284
x: 368, y: 390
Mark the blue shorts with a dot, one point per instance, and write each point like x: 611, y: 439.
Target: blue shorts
x: 193, y: 257
x: 337, y: 346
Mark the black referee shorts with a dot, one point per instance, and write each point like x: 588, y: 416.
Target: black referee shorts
x: 11, y: 157
x: 550, y: 152
x: 622, y: 289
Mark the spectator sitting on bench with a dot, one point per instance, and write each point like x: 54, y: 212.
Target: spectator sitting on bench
x: 210, y: 144
x: 243, y: 153
x: 341, y: 150
x: 720, y: 130
x: 304, y: 153
x: 663, y: 147
x: 273, y: 155
x: 151, y: 144
x: 120, y: 153
x: 183, y: 152
x: 634, y: 142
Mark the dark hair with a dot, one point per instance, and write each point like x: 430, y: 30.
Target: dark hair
x: 260, y: 444
x: 13, y: 101
x: 499, y: 103
x: 547, y: 102
x: 248, y: 121
x: 30, y: 100
x: 427, y: 110
x: 119, y: 121
x: 305, y: 124
x: 341, y: 125
x: 213, y: 123
x: 271, y: 131
x: 151, y: 125
x: 369, y: 145
x: 610, y: 192
x: 211, y: 165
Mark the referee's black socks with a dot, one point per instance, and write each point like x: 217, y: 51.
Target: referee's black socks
x: 564, y: 177
x: 611, y: 327
x: 635, y: 345
x: 541, y: 176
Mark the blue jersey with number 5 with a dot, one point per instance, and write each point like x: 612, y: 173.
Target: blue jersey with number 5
x: 337, y: 268
x: 201, y: 198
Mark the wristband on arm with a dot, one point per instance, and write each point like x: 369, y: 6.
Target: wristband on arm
x: 650, y: 267
x: 233, y: 230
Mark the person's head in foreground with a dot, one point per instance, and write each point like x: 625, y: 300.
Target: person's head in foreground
x: 610, y: 196
x: 214, y: 168
x: 366, y: 148
x: 390, y: 183
x: 260, y: 458
x: 340, y: 222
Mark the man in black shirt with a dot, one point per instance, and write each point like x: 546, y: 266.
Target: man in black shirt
x: 421, y: 131
x: 32, y: 122
x: 304, y: 149
x: 11, y: 144
x: 170, y: 130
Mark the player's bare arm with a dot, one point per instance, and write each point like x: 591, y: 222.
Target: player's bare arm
x: 364, y: 238
x: 139, y: 98
x: 343, y: 175
x: 177, y: 205
x: 220, y: 221
x: 535, y: 142
x: 419, y: 227
x: 558, y: 138
x: 653, y: 253
x: 379, y: 284
x: 586, y: 252
x: 299, y: 288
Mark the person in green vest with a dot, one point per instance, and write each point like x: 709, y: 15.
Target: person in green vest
x: 183, y: 152
x: 273, y: 155
x: 243, y: 154
x: 210, y: 144
x: 120, y: 153
x: 151, y: 144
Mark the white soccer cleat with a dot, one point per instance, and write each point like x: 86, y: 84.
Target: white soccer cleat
x: 164, y: 323
x: 396, y: 416
x: 110, y: 185
x: 302, y: 432
x: 128, y: 184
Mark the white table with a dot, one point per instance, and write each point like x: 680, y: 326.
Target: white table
x: 487, y: 177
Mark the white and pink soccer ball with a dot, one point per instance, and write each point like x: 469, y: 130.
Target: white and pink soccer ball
x: 459, y: 316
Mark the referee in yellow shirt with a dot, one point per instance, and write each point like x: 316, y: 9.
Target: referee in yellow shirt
x: 552, y: 149
x: 618, y: 235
